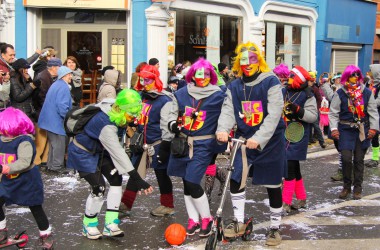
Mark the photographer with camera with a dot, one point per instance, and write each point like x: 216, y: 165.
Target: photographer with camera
x: 22, y: 88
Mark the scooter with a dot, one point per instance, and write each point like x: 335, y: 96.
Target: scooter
x: 20, y: 240
x: 217, y: 226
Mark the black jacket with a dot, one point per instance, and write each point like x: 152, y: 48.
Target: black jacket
x: 21, y: 94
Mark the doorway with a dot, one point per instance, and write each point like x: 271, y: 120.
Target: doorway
x: 86, y: 47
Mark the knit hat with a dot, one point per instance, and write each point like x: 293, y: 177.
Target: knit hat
x: 221, y: 66
x: 54, y: 62
x: 20, y: 63
x: 62, y: 71
x: 153, y: 61
x: 300, y: 78
x: 173, y: 79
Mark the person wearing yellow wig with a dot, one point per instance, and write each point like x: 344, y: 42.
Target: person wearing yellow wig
x: 254, y: 103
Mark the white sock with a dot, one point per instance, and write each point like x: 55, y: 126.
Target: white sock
x: 46, y: 232
x: 114, y: 197
x: 202, y: 206
x: 94, y: 205
x: 3, y: 224
x: 238, y: 205
x: 275, y: 217
x: 191, y: 209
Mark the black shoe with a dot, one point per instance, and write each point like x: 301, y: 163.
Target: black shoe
x: 323, y: 145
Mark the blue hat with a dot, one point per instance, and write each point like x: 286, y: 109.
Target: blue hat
x: 62, y: 71
x: 54, y: 62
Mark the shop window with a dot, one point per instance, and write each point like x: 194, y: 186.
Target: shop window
x: 289, y: 44
x: 203, y: 35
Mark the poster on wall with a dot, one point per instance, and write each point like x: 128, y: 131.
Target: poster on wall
x: 171, y: 40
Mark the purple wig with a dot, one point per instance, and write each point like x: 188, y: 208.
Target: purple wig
x: 202, y: 63
x: 14, y: 122
x: 281, y: 71
x: 348, y: 71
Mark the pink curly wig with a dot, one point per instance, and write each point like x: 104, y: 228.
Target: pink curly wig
x: 14, y: 122
x: 348, y: 71
x: 202, y: 63
x: 282, y: 71
x: 151, y: 72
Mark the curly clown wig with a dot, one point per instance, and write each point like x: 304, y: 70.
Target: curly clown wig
x: 348, y: 71
x: 150, y: 72
x: 263, y: 66
x: 202, y: 63
x: 282, y: 71
x: 14, y: 122
x: 128, y: 101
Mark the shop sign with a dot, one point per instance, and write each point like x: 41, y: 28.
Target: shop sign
x: 204, y: 41
x: 79, y: 4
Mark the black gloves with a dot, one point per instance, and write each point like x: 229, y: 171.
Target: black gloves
x: 1, y: 169
x: 133, y: 123
x: 164, y: 152
x: 140, y: 183
x: 294, y: 111
x: 174, y: 127
x: 37, y: 83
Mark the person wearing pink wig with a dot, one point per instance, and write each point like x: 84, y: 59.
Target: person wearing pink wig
x: 194, y: 115
x: 282, y: 72
x: 354, y: 121
x: 21, y: 182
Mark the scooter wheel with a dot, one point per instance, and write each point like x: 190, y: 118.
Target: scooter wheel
x: 24, y: 237
x: 211, y: 242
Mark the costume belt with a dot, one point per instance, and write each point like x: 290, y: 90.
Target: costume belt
x: 191, y: 139
x: 359, y: 125
x: 146, y: 158
x: 245, y: 163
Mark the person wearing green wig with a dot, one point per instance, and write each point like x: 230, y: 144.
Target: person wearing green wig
x: 96, y: 153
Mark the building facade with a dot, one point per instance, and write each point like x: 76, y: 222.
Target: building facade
x: 124, y: 33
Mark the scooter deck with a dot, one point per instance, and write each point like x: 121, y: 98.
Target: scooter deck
x: 12, y: 242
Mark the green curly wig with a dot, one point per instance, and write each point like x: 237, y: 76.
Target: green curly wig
x: 128, y: 101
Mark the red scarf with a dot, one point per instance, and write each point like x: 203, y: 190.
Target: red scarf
x: 356, y: 97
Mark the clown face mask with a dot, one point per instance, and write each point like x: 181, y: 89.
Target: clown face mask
x: 148, y: 83
x: 249, y: 62
x: 353, y: 79
x: 202, y: 77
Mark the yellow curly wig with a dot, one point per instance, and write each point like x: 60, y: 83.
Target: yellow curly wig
x: 263, y: 66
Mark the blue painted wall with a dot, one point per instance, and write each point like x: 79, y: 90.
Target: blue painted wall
x: 139, y: 31
x: 355, y: 24
x: 20, y: 28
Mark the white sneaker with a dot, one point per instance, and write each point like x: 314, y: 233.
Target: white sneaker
x: 113, y: 230
x: 91, y: 233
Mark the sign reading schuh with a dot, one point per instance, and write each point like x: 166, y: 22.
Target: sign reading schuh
x: 79, y: 4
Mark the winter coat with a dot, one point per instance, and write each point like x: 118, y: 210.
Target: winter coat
x: 108, y: 88
x: 21, y: 94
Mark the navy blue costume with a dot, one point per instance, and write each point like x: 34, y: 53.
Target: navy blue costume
x: 209, y: 108
x: 269, y: 165
x: 26, y: 189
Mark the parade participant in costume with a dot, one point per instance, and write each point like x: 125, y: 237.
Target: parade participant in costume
x: 354, y: 121
x: 96, y: 153
x: 329, y: 90
x: 324, y: 114
x: 153, y: 125
x: 300, y: 111
x: 196, y: 109
x: 255, y: 104
x: 21, y: 182
x: 282, y: 72
x: 374, y: 86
